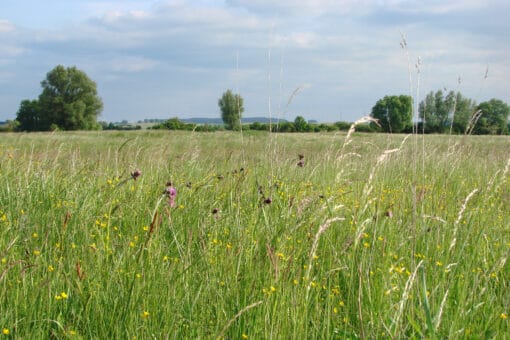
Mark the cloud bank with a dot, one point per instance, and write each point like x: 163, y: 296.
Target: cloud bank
x: 159, y: 59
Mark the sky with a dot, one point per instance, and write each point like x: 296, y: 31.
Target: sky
x: 326, y: 60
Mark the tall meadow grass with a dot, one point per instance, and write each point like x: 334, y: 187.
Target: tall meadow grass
x: 344, y: 241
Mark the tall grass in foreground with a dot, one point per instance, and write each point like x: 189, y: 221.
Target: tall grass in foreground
x: 347, y: 244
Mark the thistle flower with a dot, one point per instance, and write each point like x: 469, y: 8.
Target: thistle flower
x: 171, y: 193
x: 135, y: 174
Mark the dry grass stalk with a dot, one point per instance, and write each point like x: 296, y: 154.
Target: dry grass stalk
x: 245, y: 309
x: 405, y: 296
x: 459, y: 217
x: 315, y: 244
x: 441, y: 309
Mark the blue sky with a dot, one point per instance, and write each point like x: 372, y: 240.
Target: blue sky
x: 167, y: 58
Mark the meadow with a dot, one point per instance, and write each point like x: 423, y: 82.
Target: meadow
x: 279, y: 236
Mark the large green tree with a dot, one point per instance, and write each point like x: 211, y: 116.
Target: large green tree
x: 493, y: 118
x: 442, y: 113
x: 28, y: 115
x: 231, y: 106
x: 394, y: 113
x: 68, y: 101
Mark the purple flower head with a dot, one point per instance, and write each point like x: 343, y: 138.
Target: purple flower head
x: 301, y: 163
x: 171, y: 193
x: 135, y: 174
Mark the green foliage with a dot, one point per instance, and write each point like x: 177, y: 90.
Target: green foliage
x: 68, y: 101
x: 29, y: 115
x: 394, y: 113
x: 231, y: 107
x: 9, y: 126
x: 176, y: 124
x: 343, y: 126
x: 438, y: 110
x: 464, y: 110
x: 119, y: 126
x: 493, y: 119
x: 300, y: 124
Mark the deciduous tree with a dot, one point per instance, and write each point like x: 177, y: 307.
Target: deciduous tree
x: 68, y: 101
x: 493, y: 118
x: 394, y: 113
x: 231, y: 106
x: 441, y: 113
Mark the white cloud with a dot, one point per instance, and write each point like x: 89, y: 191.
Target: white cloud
x: 433, y: 6
x: 6, y: 26
x: 132, y: 64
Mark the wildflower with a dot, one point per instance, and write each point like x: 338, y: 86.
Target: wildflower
x: 503, y: 316
x: 301, y: 156
x: 170, y: 192
x: 6, y: 331
x: 37, y: 252
x: 51, y: 268
x: 268, y: 200
x: 61, y: 296
x: 244, y: 336
x: 135, y: 174
x: 145, y: 314
x: 301, y: 163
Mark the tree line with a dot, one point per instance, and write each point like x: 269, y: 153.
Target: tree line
x: 69, y: 101
x: 442, y: 112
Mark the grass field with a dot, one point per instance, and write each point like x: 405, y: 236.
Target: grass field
x: 370, y: 236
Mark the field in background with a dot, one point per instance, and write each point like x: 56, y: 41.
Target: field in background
x: 367, y: 236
